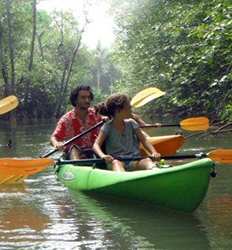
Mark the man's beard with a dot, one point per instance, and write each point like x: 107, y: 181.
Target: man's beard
x: 84, y: 107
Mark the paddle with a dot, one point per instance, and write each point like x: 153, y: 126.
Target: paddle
x: 75, y: 138
x: 12, y: 169
x: 8, y: 103
x: 145, y: 96
x: 223, y: 156
x: 15, y: 170
x: 190, y: 124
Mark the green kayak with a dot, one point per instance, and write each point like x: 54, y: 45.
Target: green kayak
x: 181, y: 187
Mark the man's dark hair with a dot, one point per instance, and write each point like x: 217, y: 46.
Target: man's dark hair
x: 75, y: 92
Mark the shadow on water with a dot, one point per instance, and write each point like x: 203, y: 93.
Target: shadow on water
x: 139, y: 226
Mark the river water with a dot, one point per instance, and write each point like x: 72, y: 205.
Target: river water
x: 42, y: 214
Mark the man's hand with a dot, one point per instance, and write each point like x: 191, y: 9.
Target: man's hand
x: 59, y: 145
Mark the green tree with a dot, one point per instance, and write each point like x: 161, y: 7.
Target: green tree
x: 183, y: 47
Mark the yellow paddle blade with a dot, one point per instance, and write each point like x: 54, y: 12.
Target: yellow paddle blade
x: 221, y: 155
x: 8, y: 103
x: 200, y: 123
x: 145, y: 96
x: 14, y: 170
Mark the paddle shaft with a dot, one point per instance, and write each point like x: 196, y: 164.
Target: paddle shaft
x: 160, y: 125
x: 92, y: 161
x: 75, y: 138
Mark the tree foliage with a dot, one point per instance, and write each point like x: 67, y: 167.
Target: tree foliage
x: 49, y: 59
x: 183, y: 47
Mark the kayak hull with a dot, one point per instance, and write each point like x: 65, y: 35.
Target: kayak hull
x: 180, y: 187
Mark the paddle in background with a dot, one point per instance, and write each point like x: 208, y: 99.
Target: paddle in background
x: 169, y: 146
x: 200, y: 123
x: 145, y: 96
x: 8, y: 103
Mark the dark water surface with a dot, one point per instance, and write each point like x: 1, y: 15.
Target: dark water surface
x: 42, y: 214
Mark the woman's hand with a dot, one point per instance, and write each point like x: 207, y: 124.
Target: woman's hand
x: 107, y: 158
x: 155, y: 156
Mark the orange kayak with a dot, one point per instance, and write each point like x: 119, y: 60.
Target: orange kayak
x: 166, y: 145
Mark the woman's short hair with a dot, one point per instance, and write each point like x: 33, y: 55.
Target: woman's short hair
x: 75, y: 92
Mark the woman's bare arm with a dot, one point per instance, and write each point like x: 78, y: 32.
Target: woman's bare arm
x: 147, y: 145
x: 97, y: 147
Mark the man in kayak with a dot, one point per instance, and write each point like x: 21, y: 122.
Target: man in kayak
x: 74, y: 122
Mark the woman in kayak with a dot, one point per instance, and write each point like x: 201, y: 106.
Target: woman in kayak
x: 121, y: 137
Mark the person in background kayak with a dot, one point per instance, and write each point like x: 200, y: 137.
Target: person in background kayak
x: 74, y: 122
x: 121, y: 136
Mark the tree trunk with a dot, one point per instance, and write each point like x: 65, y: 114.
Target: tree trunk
x: 39, y: 37
x: 66, y: 79
x: 3, y: 66
x: 12, y: 114
x: 11, y: 46
x: 61, y: 87
x: 30, y: 65
x: 68, y: 68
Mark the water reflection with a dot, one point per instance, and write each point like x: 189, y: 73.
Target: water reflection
x: 16, y: 212
x: 139, y: 226
x: 14, y: 189
x: 21, y: 215
x: 219, y: 212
